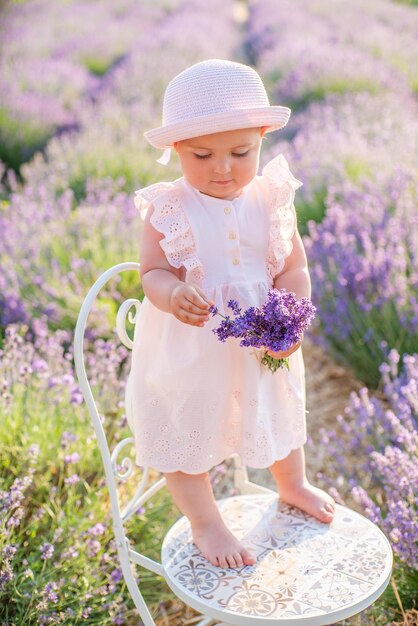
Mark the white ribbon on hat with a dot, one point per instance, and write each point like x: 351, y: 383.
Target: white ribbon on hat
x: 165, y: 157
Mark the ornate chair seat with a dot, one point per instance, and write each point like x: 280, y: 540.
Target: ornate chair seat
x: 306, y: 572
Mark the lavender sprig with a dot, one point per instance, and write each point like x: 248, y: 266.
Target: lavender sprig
x: 277, y: 325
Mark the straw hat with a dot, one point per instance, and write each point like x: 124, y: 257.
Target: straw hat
x: 213, y: 96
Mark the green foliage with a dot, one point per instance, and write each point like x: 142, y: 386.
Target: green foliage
x: 356, y: 168
x: 363, y: 351
x: 326, y: 85
x: 98, y: 64
x: 406, y: 583
x: 20, y: 139
x: 118, y: 163
x: 314, y: 209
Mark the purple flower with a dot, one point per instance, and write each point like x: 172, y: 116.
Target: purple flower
x: 33, y: 451
x: 97, y: 529
x: 47, y: 550
x: 116, y: 575
x: 6, y: 575
x: 49, y: 593
x: 9, y: 551
x: 71, y: 458
x: 71, y: 553
x: 277, y: 325
x: 76, y: 396
x: 234, y: 306
x: 72, y: 480
x: 93, y: 547
x: 67, y: 437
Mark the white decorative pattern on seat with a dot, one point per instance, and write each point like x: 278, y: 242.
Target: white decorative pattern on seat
x: 281, y: 196
x: 303, y: 568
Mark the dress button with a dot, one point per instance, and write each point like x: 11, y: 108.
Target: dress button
x: 232, y: 235
x: 235, y: 261
x: 227, y: 209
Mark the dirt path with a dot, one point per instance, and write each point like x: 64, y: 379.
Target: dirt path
x: 328, y: 389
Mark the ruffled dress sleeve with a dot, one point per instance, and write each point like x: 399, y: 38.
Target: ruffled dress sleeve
x: 280, y: 188
x: 170, y: 219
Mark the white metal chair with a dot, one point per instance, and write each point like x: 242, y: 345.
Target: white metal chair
x: 307, y: 573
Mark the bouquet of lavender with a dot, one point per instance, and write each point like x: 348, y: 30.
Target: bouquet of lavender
x: 277, y: 325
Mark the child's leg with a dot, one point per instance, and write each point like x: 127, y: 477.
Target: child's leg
x: 194, y: 496
x: 294, y: 488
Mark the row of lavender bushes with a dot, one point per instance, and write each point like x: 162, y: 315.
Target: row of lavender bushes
x: 71, y: 218
x: 353, y: 139
x: 64, y: 64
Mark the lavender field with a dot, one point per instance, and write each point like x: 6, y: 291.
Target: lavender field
x: 80, y: 82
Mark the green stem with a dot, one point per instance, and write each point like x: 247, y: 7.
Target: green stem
x: 274, y: 364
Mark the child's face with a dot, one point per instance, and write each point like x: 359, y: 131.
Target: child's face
x: 221, y: 164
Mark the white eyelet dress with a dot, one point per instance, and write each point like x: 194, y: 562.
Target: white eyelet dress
x: 196, y: 400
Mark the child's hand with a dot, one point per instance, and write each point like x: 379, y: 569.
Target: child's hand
x: 188, y: 304
x: 285, y: 353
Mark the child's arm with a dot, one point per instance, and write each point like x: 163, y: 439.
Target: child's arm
x: 162, y: 282
x: 294, y: 277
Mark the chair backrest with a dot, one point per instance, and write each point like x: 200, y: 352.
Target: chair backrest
x: 117, y: 469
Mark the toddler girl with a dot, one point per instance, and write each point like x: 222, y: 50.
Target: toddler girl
x: 219, y: 232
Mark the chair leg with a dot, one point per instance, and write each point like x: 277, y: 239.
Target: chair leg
x: 132, y: 585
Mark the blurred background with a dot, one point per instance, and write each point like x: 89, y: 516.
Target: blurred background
x: 80, y: 81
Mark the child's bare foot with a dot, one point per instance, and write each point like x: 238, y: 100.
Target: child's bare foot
x: 219, y: 546
x: 311, y: 500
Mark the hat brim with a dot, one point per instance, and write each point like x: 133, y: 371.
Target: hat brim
x: 272, y: 117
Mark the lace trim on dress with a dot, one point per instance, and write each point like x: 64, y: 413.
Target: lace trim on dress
x: 170, y: 219
x: 281, y: 194
x: 145, y: 197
